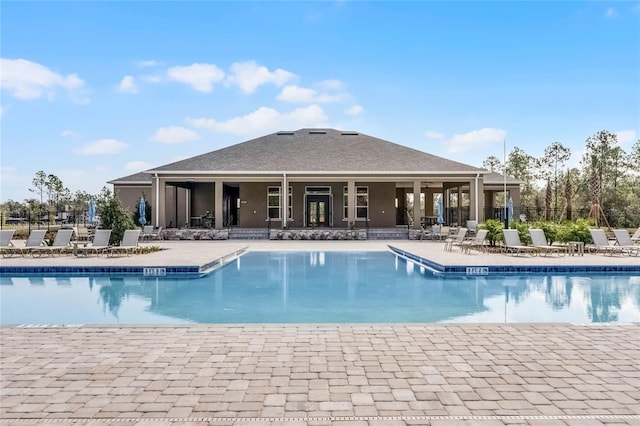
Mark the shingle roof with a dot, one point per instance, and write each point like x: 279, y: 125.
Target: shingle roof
x: 140, y: 178
x: 492, y: 178
x: 317, y: 150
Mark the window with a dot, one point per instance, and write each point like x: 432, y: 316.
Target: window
x: 362, y: 203
x: 274, y: 203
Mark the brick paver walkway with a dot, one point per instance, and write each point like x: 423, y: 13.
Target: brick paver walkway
x: 488, y: 374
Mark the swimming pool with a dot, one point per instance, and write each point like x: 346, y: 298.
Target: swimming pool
x: 319, y: 287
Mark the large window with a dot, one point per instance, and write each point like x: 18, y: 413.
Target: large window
x: 362, y: 203
x: 274, y: 202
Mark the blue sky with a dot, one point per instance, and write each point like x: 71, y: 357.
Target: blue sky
x: 93, y: 91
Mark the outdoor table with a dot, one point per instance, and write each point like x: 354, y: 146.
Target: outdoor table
x: 575, y: 248
x: 75, y: 246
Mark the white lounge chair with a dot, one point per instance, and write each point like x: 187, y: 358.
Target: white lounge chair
x: 99, y: 244
x: 61, y: 244
x: 479, y: 242
x: 455, y: 240
x: 539, y: 241
x: 128, y: 245
x: 6, y: 245
x: 624, y: 241
x: 513, y: 245
x: 636, y: 236
x: 601, y: 243
x: 36, y: 239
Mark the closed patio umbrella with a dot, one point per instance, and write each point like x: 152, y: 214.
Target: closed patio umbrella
x: 141, y: 208
x: 510, y: 210
x: 440, y: 209
x: 92, y: 211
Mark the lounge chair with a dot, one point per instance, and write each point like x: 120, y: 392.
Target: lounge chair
x: 472, y: 225
x: 601, y: 243
x: 456, y: 240
x: 624, y: 241
x: 513, y: 245
x: 99, y: 244
x: 478, y: 242
x: 6, y: 246
x: 61, y: 244
x: 128, y: 245
x: 36, y: 239
x: 636, y: 236
x: 539, y: 241
x: 147, y: 232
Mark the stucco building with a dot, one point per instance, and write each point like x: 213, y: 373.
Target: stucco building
x: 314, y: 178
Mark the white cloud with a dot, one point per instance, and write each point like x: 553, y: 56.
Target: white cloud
x: 66, y: 133
x: 128, y: 85
x: 102, y: 146
x: 249, y: 76
x: 610, y: 13
x: 137, y: 166
x: 354, y: 110
x: 146, y: 64
x: 295, y: 94
x: 3, y: 109
x: 150, y: 78
x: 331, y: 85
x: 430, y: 134
x: 29, y: 80
x: 626, y: 136
x: 173, y: 134
x: 475, y: 139
x: 200, y: 76
x: 265, y: 120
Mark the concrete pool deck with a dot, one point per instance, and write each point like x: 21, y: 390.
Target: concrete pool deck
x: 335, y: 374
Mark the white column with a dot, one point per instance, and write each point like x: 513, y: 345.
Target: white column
x: 285, y: 200
x: 351, y: 201
x: 217, y: 212
x: 416, y: 203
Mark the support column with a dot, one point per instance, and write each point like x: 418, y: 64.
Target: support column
x: 416, y: 204
x: 351, y: 202
x: 473, y: 200
x: 158, y: 189
x: 217, y: 205
x: 285, y: 201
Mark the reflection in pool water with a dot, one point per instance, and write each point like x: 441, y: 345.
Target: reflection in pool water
x: 320, y: 287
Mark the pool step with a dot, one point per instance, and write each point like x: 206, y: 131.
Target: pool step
x: 248, y: 234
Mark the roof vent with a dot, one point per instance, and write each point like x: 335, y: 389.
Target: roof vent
x: 317, y: 132
x: 285, y: 133
x: 350, y: 133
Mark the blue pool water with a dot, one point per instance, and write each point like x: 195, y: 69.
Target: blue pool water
x: 319, y: 287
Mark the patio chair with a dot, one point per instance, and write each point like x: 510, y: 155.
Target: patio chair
x: 81, y: 233
x: 539, y: 241
x: 624, y: 240
x: 61, y: 244
x: 455, y: 240
x: 636, y: 236
x: 472, y: 226
x: 6, y: 246
x: 99, y: 244
x: 479, y: 242
x: 147, y: 230
x: 601, y: 243
x: 36, y: 239
x: 513, y: 245
x: 128, y: 245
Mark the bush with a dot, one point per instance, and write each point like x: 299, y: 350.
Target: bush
x: 495, y: 228
x: 523, y: 232
x: 551, y: 230
x: 575, y: 231
x: 113, y: 215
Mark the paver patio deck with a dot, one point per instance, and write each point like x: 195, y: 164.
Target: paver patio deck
x: 373, y: 374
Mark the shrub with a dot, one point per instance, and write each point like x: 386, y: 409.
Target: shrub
x: 495, y: 228
x: 523, y: 232
x: 575, y: 231
x: 551, y: 230
x: 113, y: 215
